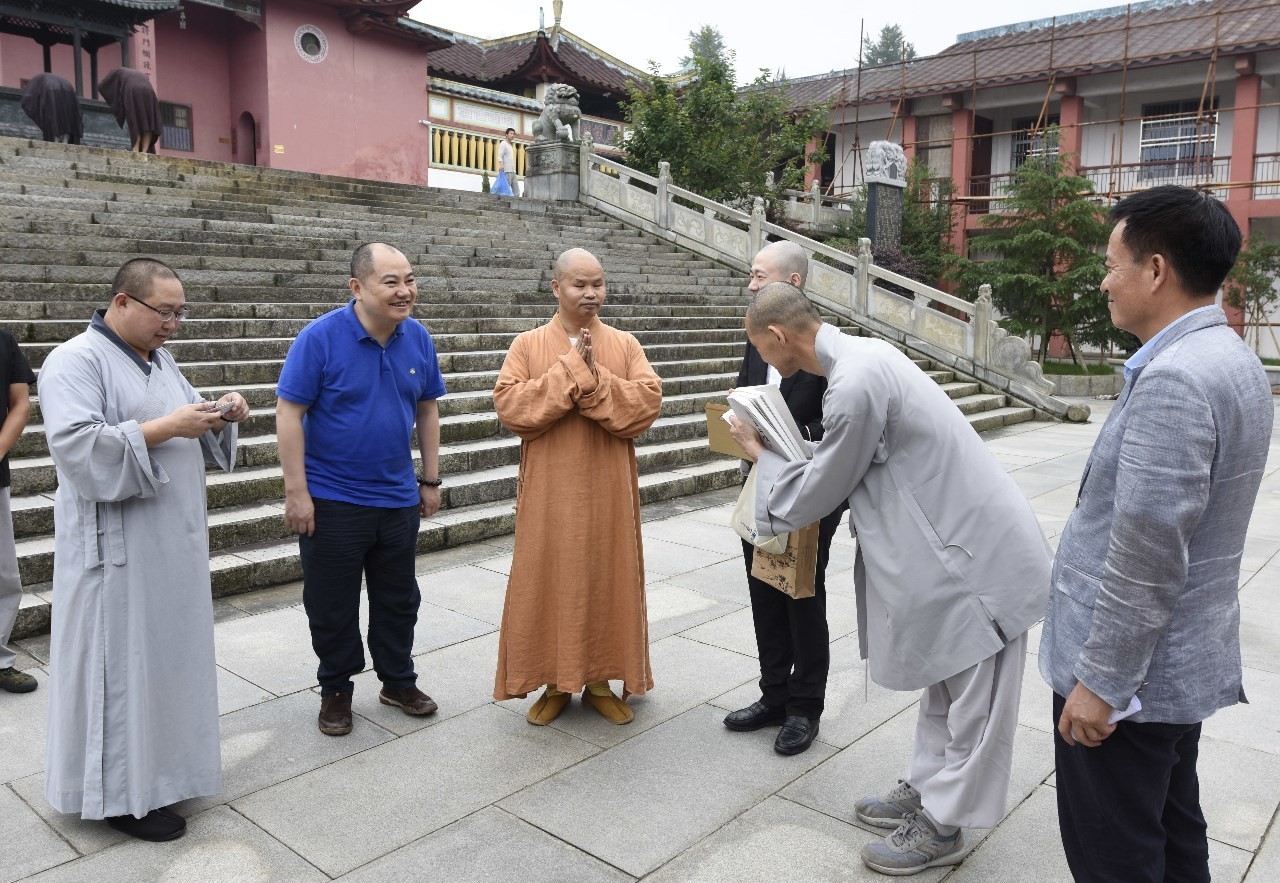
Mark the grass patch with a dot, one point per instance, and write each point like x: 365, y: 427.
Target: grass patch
x: 1271, y: 361
x: 1072, y: 368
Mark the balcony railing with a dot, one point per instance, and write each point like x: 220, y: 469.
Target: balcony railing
x: 1266, y: 176
x: 1114, y: 181
x: 469, y: 151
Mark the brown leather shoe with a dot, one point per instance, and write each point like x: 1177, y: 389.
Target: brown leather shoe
x: 411, y: 700
x: 611, y: 708
x: 335, y: 714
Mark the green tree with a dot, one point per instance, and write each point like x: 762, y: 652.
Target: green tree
x: 1045, y: 266
x: 705, y: 43
x: 889, y: 47
x: 722, y: 142
x: 1251, y: 285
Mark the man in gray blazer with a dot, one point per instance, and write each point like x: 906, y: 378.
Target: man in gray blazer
x: 1144, y: 614
x: 952, y: 568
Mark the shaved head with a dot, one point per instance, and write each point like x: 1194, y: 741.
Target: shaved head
x: 784, y: 257
x: 781, y: 303
x: 568, y: 258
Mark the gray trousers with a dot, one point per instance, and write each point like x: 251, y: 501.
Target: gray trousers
x: 964, y: 740
x: 10, y: 581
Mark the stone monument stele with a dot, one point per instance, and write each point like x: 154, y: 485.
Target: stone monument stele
x: 886, y: 179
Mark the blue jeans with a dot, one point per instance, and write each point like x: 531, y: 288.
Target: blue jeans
x: 380, y: 544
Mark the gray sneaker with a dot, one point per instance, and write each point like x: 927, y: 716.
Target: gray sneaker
x: 915, y: 846
x: 889, y: 810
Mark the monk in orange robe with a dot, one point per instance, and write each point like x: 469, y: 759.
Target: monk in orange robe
x: 577, y: 392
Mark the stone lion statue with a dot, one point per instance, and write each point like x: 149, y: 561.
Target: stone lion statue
x: 560, y: 115
x: 886, y: 160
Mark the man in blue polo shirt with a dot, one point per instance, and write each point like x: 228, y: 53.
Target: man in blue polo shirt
x: 353, y: 386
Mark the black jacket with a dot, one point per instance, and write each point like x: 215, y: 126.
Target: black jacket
x: 801, y: 391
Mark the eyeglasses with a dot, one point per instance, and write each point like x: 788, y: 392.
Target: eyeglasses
x: 165, y: 315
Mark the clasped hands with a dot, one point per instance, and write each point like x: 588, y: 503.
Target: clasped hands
x: 584, y: 349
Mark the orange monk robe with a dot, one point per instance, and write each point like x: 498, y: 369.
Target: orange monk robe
x: 575, y: 610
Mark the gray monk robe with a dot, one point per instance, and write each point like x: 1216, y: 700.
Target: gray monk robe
x: 951, y: 567
x: 133, y: 707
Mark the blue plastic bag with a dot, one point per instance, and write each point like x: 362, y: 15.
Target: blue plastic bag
x: 500, y: 186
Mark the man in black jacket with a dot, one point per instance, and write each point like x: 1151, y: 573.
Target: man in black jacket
x: 791, y: 634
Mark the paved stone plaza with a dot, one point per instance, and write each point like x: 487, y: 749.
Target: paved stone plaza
x: 474, y: 793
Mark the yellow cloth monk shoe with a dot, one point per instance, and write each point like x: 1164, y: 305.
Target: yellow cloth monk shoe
x: 547, y: 708
x: 611, y: 708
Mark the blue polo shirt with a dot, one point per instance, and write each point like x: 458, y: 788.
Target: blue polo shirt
x: 362, y: 401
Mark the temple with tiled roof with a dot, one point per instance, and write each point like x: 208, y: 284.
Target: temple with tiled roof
x: 1163, y: 91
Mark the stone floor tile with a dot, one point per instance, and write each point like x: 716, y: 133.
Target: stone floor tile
x: 1032, y: 483
x: 269, y: 743
x: 85, y: 837
x: 1226, y: 863
x: 873, y: 764
x: 490, y: 846
x: 853, y: 707
x: 23, y: 718
x: 391, y: 795
x: 458, y: 677
x: 673, y: 609
x: 685, y: 530
x: 735, y: 631
x: 1058, y: 503
x: 669, y: 559
x: 37, y: 647
x: 436, y: 628
x: 716, y: 515
x: 225, y: 611
x: 473, y: 591
x: 460, y: 556
x: 271, y: 650
x: 1266, y: 863
x: 668, y: 788
x: 726, y: 580
x: 269, y: 599
x: 778, y: 834
x: 1258, y: 552
x: 685, y: 673
x: 1255, y: 724
x: 1259, y: 643
x: 22, y: 659
x: 1237, y: 810
x: 28, y: 845
x: 235, y: 693
x: 498, y: 564
x: 1036, y: 707
x: 219, y: 845
x: 1025, y: 848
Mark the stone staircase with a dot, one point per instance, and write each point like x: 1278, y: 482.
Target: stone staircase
x: 262, y: 251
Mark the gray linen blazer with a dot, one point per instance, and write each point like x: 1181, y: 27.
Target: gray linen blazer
x: 1145, y: 581
x: 951, y: 560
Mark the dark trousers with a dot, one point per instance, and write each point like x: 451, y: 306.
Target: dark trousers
x: 791, y: 635
x: 1129, y: 810
x: 380, y: 544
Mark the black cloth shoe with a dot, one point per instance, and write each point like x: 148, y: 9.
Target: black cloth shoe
x: 754, y: 717
x: 796, y: 735
x: 335, y: 714
x: 155, y: 826
x: 14, y: 681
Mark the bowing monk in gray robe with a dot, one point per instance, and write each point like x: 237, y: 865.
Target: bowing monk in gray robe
x: 133, y: 714
x: 952, y: 568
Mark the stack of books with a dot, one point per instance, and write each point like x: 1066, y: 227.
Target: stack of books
x: 764, y: 408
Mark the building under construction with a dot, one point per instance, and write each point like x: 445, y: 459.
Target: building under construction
x: 1158, y: 92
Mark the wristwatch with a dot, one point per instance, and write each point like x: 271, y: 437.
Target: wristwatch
x: 422, y: 482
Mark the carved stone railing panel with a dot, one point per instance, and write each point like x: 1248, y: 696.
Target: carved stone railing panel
x: 963, y: 335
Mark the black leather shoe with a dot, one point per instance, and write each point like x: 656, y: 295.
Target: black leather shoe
x: 796, y: 735
x: 754, y: 717
x: 155, y: 826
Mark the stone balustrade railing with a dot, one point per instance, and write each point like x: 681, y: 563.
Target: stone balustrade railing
x: 950, y: 330
x: 814, y: 209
